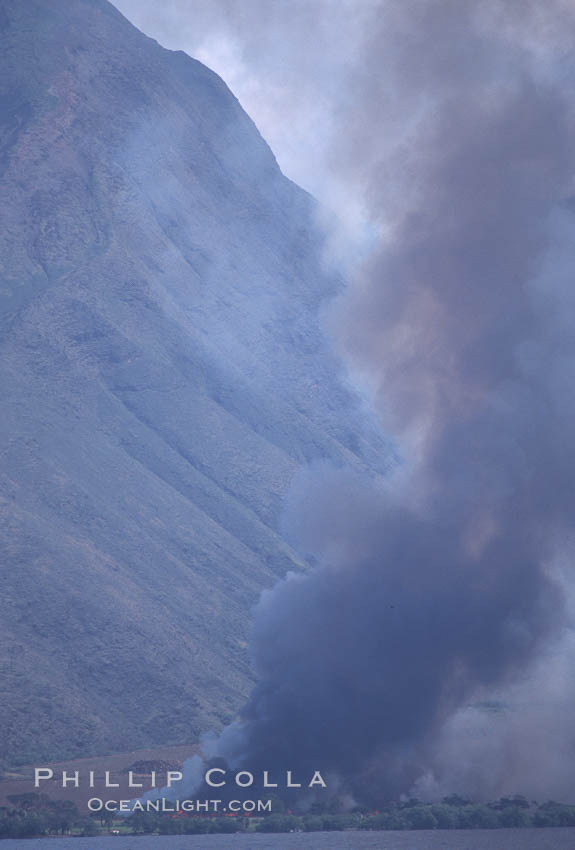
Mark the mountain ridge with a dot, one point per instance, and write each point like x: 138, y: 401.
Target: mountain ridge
x: 164, y: 374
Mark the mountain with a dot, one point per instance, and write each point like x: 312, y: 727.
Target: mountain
x: 163, y: 374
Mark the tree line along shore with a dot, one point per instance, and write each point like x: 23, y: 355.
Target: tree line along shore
x: 35, y: 815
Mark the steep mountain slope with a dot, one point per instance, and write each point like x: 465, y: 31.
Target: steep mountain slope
x: 163, y: 375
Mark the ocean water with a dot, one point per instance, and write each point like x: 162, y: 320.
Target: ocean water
x: 479, y: 839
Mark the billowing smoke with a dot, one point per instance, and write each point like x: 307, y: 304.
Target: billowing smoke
x: 438, y: 583
x: 455, y: 127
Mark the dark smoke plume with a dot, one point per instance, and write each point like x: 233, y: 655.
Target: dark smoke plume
x: 452, y: 121
x: 439, y: 582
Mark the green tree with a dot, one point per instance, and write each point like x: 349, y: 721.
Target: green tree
x: 278, y: 823
x: 554, y: 814
x: 332, y: 823
x: 392, y: 819
x: 28, y: 800
x: 143, y: 822
x: 514, y: 817
x: 421, y: 817
x: 61, y: 815
x: 29, y: 826
x: 225, y: 825
x: 196, y: 826
x: 87, y: 826
x: 447, y: 817
x: 478, y: 817
x: 312, y: 823
x: 169, y: 826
